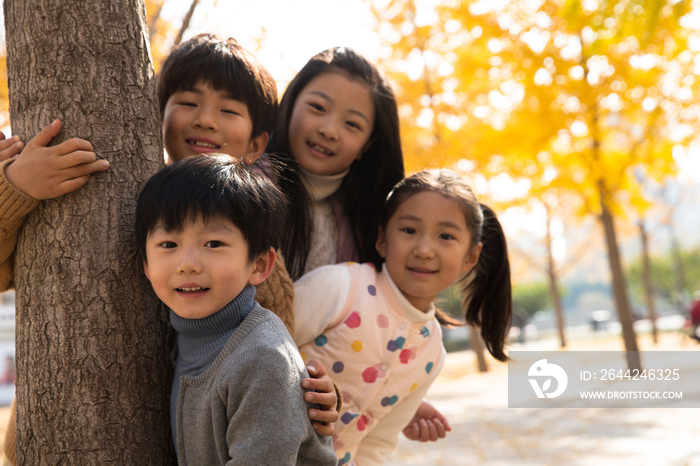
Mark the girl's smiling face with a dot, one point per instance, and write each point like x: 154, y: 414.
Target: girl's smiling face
x: 331, y: 123
x: 426, y: 245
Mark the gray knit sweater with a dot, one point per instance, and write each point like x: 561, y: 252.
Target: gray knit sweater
x: 247, y: 407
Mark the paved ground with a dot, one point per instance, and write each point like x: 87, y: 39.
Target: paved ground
x: 486, y: 432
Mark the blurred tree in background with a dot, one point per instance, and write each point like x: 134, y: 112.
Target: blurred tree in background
x: 570, y: 106
x: 568, y: 96
x: 664, y: 276
x: 531, y: 298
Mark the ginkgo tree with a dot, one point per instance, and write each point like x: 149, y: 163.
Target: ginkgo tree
x: 571, y: 96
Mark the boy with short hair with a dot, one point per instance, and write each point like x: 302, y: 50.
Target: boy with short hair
x: 215, y: 96
x: 221, y: 99
x: 207, y: 228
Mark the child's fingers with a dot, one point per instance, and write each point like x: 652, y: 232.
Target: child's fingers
x: 75, y: 158
x: 323, y: 415
x: 9, y: 148
x: 439, y: 427
x: 66, y: 187
x: 83, y: 170
x: 323, y: 429
x: 46, y: 134
x: 445, y: 423
x: 72, y: 145
x: 5, y: 143
x: 326, y: 400
x: 315, y: 368
x: 437, y: 414
x: 428, y: 432
x: 324, y: 385
x: 412, y: 431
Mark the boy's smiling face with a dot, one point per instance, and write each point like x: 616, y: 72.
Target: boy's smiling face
x: 200, y: 269
x: 203, y: 120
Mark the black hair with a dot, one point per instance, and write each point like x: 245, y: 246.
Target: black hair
x: 486, y: 289
x: 225, y: 66
x: 212, y: 187
x: 370, y: 178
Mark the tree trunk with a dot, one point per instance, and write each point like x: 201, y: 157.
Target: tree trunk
x: 478, y: 348
x: 553, y: 283
x: 624, y: 313
x: 682, y: 303
x: 648, y: 288
x: 619, y: 288
x: 92, y: 338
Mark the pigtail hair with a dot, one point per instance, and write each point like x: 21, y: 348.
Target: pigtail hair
x: 487, y: 291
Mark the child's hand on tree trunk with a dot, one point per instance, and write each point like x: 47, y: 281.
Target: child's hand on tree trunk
x: 324, y: 394
x: 47, y: 172
x: 10, y: 147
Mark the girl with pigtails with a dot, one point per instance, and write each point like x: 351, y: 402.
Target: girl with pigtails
x: 375, y: 325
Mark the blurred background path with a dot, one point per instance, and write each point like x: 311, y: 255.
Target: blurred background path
x: 486, y: 432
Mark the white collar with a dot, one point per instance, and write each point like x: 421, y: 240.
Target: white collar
x: 320, y: 187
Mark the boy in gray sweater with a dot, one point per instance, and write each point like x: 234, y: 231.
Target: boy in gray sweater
x: 207, y: 228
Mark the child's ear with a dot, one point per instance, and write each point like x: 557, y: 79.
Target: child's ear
x: 380, y: 245
x: 145, y: 270
x: 262, y: 267
x: 472, y: 258
x: 256, y: 147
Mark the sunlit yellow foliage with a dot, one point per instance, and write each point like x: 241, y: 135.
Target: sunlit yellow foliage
x: 569, y: 95
x: 4, y: 93
x: 162, y: 33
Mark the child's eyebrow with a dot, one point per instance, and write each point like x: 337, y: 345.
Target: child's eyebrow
x: 450, y: 224
x: 410, y: 217
x: 216, y: 227
x: 157, y: 229
x: 229, y: 96
x: 352, y: 110
x: 444, y: 223
x: 198, y: 91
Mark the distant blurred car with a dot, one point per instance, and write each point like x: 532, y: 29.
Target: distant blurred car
x: 600, y: 319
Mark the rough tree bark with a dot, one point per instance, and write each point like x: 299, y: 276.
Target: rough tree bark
x: 92, y: 338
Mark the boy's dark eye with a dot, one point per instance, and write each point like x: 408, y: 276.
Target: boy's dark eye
x: 408, y: 230
x: 446, y: 236
x: 214, y: 244
x: 168, y: 245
